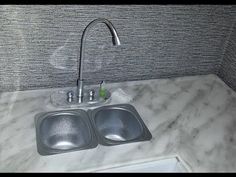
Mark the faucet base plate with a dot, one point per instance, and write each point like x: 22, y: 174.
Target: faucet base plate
x: 60, y: 99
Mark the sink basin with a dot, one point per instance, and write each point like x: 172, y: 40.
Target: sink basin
x: 118, y: 124
x: 63, y: 131
x: 72, y: 130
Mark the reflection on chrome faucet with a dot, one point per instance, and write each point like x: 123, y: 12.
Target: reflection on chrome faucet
x: 116, y: 41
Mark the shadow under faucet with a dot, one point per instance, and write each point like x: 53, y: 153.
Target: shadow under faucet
x: 116, y: 41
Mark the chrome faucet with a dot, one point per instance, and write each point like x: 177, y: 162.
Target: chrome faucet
x: 116, y: 41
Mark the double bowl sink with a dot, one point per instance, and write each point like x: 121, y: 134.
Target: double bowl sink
x: 72, y: 130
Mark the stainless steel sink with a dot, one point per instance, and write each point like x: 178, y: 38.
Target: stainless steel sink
x: 64, y: 131
x: 118, y: 124
x: 72, y: 130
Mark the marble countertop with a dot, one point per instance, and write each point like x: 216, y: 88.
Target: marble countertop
x: 192, y: 117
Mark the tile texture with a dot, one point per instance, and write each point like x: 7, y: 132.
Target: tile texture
x: 39, y: 45
x: 228, y: 69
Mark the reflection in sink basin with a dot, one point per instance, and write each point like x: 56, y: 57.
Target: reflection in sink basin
x: 63, y: 131
x: 118, y: 124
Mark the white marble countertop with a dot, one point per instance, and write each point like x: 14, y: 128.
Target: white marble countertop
x: 192, y: 117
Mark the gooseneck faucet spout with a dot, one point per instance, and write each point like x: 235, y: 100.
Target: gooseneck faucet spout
x: 116, y: 41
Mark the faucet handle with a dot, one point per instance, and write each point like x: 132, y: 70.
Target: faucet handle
x: 91, y: 94
x: 70, y: 96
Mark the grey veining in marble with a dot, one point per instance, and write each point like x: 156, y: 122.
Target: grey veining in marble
x: 228, y: 68
x: 39, y: 45
x: 192, y: 117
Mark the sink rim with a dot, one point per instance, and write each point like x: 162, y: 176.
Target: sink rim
x: 87, y: 117
x: 144, y: 136
x: 82, y: 114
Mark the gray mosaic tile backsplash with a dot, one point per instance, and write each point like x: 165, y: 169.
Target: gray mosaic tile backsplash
x: 228, y: 69
x: 39, y: 45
